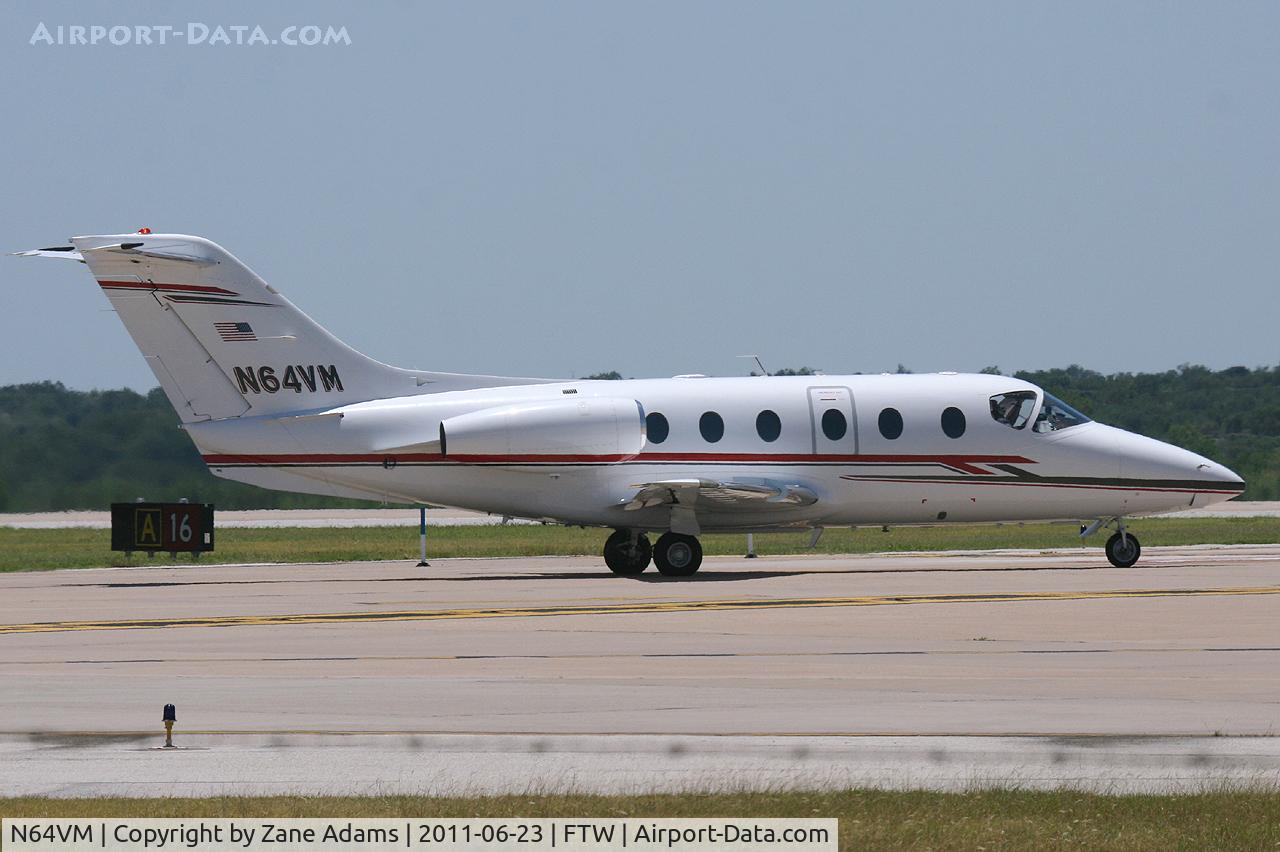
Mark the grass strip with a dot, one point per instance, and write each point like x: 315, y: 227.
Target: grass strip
x: 869, y: 819
x: 35, y: 550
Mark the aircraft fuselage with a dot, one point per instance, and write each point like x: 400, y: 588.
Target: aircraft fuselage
x: 909, y: 472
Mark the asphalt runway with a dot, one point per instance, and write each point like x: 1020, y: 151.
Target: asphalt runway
x: 1036, y: 668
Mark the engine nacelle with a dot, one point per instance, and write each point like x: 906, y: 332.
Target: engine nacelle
x: 606, y: 428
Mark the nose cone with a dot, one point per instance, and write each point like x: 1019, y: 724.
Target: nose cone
x: 1220, y: 474
x: 1147, y: 463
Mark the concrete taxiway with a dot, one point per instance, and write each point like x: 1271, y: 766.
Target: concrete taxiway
x: 485, y: 675
x: 466, y: 764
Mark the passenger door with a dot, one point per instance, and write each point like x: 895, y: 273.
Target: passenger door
x: 833, y: 421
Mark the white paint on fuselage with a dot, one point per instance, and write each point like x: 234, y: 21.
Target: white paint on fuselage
x: 921, y: 477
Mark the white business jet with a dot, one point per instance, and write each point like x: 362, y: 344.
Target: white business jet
x: 272, y: 399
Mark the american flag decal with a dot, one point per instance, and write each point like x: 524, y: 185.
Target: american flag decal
x: 235, y: 331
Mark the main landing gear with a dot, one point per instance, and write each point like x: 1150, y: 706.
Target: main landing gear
x: 677, y: 555
x: 627, y: 554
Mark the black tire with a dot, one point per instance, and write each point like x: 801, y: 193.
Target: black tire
x: 622, y: 558
x: 1123, y: 551
x: 677, y: 555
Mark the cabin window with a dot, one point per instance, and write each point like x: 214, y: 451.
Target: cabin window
x: 890, y: 424
x: 1055, y: 415
x: 834, y: 424
x: 656, y: 428
x: 711, y: 425
x: 768, y: 425
x: 953, y: 422
x: 1013, y: 409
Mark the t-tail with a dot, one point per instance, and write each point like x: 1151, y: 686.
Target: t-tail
x: 224, y: 343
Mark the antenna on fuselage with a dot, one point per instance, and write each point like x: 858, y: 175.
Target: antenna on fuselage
x: 759, y: 363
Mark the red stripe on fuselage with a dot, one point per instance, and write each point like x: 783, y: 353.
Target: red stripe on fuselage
x: 145, y: 285
x: 406, y: 458
x: 961, y: 462
x: 965, y: 463
x: 1035, y: 484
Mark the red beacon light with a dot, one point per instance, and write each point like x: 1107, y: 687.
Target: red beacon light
x: 144, y: 230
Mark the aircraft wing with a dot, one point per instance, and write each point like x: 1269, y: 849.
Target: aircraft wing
x: 720, y: 494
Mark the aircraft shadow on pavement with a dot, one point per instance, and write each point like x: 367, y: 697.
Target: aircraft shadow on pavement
x: 729, y: 576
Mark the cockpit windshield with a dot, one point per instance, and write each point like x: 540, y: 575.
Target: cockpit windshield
x: 1055, y: 415
x: 1013, y: 409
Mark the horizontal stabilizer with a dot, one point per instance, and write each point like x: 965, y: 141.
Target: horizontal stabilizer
x: 180, y: 252
x: 296, y: 418
x: 68, y: 252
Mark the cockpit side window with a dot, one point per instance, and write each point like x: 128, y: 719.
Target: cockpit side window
x: 1013, y: 409
x: 1055, y: 415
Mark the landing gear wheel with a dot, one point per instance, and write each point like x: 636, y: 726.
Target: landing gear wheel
x: 1123, y: 550
x: 624, y: 558
x: 677, y: 555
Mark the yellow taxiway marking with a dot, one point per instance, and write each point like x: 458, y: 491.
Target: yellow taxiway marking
x: 616, y: 609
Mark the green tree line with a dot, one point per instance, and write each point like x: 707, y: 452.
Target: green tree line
x: 66, y: 449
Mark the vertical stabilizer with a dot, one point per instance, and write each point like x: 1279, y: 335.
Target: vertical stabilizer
x: 223, y: 343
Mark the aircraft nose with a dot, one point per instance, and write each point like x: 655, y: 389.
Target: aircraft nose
x: 1146, y: 458
x: 1219, y: 473
x: 1198, y: 468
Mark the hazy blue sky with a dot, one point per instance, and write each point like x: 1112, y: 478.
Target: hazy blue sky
x: 560, y: 188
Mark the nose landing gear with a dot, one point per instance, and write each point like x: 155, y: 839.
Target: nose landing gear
x: 1123, y: 549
